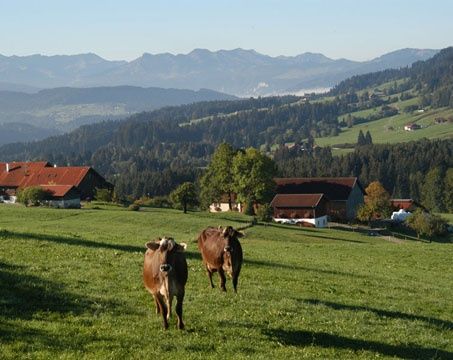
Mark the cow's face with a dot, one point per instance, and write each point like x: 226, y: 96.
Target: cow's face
x: 165, y: 249
x: 228, y: 235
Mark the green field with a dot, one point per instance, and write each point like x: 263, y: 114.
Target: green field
x: 71, y: 288
x: 381, y: 131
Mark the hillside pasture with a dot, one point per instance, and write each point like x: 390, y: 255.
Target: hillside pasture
x: 71, y: 287
x: 391, y: 129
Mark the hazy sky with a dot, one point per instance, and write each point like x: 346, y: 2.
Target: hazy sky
x: 114, y: 29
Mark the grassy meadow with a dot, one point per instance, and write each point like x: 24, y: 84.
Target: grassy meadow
x: 71, y: 288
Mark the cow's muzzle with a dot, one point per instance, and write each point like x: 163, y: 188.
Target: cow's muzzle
x: 165, y: 268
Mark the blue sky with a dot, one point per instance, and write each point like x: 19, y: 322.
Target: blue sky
x: 353, y: 29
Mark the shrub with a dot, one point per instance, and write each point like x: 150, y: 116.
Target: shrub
x: 264, y: 213
x: 104, y: 195
x: 427, y: 224
x: 249, y: 208
x: 133, y: 207
x: 31, y: 196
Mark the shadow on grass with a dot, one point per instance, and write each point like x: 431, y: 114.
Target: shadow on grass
x: 324, y: 340
x: 444, y: 324
x: 23, y: 295
x: 71, y: 240
x: 302, y: 268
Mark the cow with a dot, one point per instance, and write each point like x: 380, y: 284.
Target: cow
x: 165, y: 276
x: 221, y: 252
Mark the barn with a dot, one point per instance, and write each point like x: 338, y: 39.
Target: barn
x: 301, y: 208
x: 63, y: 182
x: 342, y: 195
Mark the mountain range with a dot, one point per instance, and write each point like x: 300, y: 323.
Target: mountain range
x: 239, y: 72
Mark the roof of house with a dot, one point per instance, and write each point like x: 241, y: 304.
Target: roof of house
x: 335, y: 188
x: 41, y: 173
x: 18, y: 172
x: 71, y: 175
x: 59, y: 190
x: 405, y: 203
x: 296, y: 200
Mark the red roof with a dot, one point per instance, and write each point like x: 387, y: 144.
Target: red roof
x: 335, y: 188
x: 58, y: 190
x: 296, y: 200
x: 40, y: 173
x: 402, y: 203
x: 71, y: 175
x: 19, y: 172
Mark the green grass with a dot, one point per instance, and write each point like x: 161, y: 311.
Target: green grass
x: 380, y: 132
x: 71, y: 288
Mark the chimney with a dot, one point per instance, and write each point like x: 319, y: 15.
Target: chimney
x: 7, y: 167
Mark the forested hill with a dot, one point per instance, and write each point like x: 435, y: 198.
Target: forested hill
x: 433, y: 79
x: 152, y: 152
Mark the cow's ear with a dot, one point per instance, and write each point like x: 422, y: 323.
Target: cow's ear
x: 239, y: 234
x: 181, y: 247
x: 228, y: 231
x: 152, y: 245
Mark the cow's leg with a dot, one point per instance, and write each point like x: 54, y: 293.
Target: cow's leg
x: 210, y: 277
x: 162, y: 309
x: 157, y: 304
x: 169, y: 301
x: 235, y: 282
x: 222, y: 279
x: 179, y: 300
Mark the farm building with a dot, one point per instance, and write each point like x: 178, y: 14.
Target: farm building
x: 302, y: 208
x: 222, y: 205
x: 343, y: 195
x: 405, y: 204
x: 63, y: 183
x: 411, y: 127
x: 62, y: 196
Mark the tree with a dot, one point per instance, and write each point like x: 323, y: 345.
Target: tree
x: 349, y: 121
x: 184, y: 195
x: 218, y: 178
x: 361, y: 139
x: 448, y: 190
x: 432, y: 190
x: 32, y: 195
x: 377, y: 203
x: 368, y: 139
x: 253, y: 175
x: 426, y: 224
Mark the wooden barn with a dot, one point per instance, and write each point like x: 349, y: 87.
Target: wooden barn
x: 302, y: 208
x: 65, y: 180
x: 343, y: 195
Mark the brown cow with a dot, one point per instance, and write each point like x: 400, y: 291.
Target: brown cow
x: 165, y: 275
x: 222, y: 252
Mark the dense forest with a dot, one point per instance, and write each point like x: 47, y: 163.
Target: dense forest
x: 152, y: 152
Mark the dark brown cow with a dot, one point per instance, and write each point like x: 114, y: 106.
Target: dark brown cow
x: 222, y: 252
x: 165, y: 275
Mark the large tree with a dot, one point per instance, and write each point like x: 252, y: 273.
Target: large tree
x: 253, y: 175
x: 218, y: 178
x: 377, y: 203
